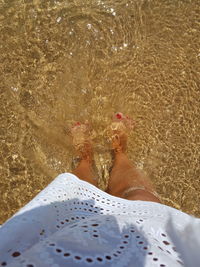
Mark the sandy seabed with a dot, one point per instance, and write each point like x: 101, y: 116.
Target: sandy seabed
x: 63, y: 61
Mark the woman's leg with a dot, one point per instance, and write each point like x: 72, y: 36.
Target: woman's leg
x: 85, y: 172
x: 81, y: 140
x: 125, y: 180
x: 128, y: 182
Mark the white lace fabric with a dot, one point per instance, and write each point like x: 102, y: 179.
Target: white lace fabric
x: 73, y: 223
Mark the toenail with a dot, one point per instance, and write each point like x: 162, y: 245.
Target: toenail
x: 119, y: 116
x: 77, y: 123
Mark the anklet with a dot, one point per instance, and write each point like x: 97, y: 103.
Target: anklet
x: 133, y: 188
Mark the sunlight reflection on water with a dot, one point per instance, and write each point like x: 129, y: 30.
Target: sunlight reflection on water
x: 64, y: 61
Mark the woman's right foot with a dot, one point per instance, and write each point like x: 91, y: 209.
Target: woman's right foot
x: 81, y: 140
x: 119, y: 130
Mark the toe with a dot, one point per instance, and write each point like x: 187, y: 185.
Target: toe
x: 118, y: 116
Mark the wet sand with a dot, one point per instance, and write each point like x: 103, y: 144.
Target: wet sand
x: 63, y: 61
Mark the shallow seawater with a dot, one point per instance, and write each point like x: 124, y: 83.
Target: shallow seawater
x: 63, y: 61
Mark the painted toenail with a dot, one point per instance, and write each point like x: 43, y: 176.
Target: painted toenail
x: 77, y: 123
x: 119, y: 116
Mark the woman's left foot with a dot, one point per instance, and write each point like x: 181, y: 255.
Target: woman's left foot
x: 81, y: 139
x: 119, y: 130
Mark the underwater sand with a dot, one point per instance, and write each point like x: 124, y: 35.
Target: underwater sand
x: 63, y: 61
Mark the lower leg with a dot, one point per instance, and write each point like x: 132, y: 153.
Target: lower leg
x: 85, y: 172
x: 128, y: 182
x: 81, y: 140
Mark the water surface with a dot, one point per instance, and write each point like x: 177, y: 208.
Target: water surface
x: 69, y: 60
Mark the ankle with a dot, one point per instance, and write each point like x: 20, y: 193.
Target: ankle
x: 121, y: 161
x: 85, y: 162
x: 120, y: 156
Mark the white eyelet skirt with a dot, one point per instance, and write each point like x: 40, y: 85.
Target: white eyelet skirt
x: 73, y: 223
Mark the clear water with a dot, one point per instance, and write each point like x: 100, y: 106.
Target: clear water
x: 68, y: 60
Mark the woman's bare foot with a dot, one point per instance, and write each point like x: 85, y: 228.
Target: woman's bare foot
x: 81, y: 139
x: 82, y: 142
x: 119, y: 130
x: 125, y: 180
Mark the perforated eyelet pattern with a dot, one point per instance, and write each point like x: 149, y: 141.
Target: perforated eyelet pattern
x: 73, y: 223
